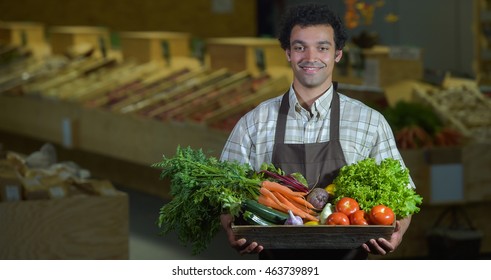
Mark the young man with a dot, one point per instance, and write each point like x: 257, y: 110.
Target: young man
x: 312, y: 128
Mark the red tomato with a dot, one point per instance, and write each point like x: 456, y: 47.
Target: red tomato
x: 337, y: 218
x: 358, y: 218
x: 382, y: 215
x: 347, y: 205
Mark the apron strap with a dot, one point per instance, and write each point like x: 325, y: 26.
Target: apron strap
x: 335, y: 112
x: 281, y: 121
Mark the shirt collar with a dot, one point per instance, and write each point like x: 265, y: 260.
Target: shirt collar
x: 319, y: 109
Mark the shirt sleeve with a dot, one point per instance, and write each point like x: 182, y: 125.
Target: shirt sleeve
x: 238, y: 146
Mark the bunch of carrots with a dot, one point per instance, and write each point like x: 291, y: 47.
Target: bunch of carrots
x: 282, y: 198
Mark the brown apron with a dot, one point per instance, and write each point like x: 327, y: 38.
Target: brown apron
x: 320, y: 164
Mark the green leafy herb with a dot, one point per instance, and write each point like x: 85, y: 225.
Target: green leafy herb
x: 372, y: 184
x: 202, y: 188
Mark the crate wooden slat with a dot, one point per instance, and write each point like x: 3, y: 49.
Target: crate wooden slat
x: 208, y: 80
x: 197, y: 100
x: 167, y: 90
x: 155, y: 83
x: 311, y: 237
x: 268, y: 90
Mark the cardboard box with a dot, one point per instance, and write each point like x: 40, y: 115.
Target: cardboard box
x: 476, y: 158
x: 155, y: 46
x: 10, y: 189
x: 251, y: 54
x: 22, y: 33
x: 80, y: 227
x: 437, y: 173
x: 10, y: 184
x: 388, y: 65
x: 444, y: 175
x: 64, y: 38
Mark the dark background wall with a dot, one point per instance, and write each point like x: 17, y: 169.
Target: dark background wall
x: 201, y: 18
x: 444, y: 29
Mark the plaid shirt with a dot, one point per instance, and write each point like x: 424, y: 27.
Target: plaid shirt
x: 364, y: 132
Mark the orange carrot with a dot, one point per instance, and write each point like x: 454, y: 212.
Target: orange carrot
x: 277, y: 187
x: 266, y: 201
x: 302, y: 201
x: 302, y: 206
x: 297, y: 211
x: 264, y: 191
x: 291, y: 195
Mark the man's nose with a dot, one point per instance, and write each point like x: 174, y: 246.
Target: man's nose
x: 310, y: 54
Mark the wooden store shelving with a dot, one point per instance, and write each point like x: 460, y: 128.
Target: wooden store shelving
x: 128, y: 110
x: 119, y: 116
x: 482, y: 62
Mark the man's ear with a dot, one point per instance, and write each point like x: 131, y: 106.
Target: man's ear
x: 288, y: 52
x: 338, y: 55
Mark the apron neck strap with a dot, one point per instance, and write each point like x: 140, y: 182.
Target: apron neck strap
x: 281, y: 121
x: 335, y: 112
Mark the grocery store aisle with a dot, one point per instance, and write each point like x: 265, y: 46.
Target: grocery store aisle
x: 147, y: 244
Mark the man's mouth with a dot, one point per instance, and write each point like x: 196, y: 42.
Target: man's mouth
x: 311, y: 67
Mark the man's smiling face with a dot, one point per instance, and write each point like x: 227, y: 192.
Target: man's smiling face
x: 312, y: 55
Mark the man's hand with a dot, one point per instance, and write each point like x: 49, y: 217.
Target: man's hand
x: 240, y: 245
x: 382, y: 246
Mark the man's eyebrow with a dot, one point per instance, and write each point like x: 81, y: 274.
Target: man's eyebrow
x: 318, y: 43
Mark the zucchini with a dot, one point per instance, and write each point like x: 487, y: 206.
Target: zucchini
x: 267, y: 213
x: 254, y: 219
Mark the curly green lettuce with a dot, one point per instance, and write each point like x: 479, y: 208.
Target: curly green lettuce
x: 372, y: 184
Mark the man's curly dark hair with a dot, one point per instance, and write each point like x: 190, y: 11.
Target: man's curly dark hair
x: 308, y: 15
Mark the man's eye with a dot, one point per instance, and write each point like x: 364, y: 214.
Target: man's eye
x: 323, y: 49
x: 298, y: 48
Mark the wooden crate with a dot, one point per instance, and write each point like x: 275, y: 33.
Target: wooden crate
x: 104, y: 141
x: 465, y: 108
x: 79, y: 227
x: 155, y: 46
x: 65, y: 38
x: 383, y: 66
x: 312, y: 237
x: 239, y: 54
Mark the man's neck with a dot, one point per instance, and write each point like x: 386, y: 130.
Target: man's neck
x: 307, y: 96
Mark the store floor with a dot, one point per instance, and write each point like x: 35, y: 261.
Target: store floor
x: 147, y: 244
